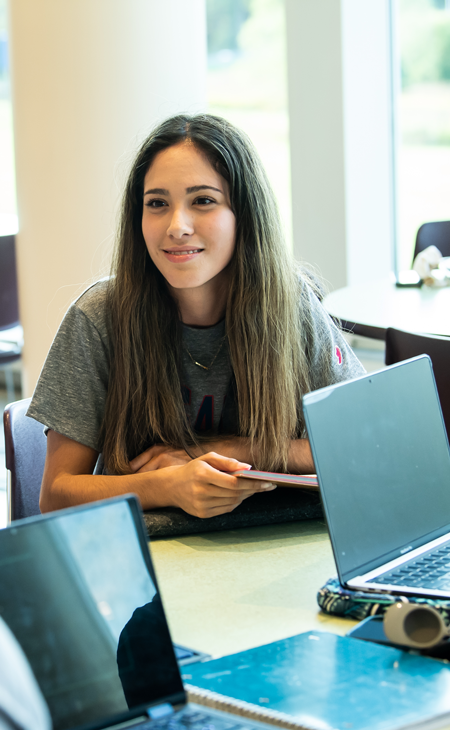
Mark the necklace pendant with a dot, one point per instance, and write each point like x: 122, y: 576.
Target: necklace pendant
x: 206, y: 367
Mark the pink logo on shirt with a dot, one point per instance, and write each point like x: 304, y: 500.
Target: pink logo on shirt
x: 338, y: 354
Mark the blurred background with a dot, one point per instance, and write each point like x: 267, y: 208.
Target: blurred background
x: 247, y: 83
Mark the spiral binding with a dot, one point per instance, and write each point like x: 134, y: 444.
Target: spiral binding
x: 216, y: 701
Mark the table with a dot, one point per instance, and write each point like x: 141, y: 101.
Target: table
x: 225, y: 592
x: 374, y: 306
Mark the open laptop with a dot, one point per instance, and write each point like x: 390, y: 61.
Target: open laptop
x: 383, y: 464
x: 78, y: 590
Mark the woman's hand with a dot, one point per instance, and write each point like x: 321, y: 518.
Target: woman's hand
x: 199, y: 486
x: 203, y: 488
x: 158, y: 457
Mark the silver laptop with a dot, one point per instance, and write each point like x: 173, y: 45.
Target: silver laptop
x: 78, y: 590
x: 383, y: 464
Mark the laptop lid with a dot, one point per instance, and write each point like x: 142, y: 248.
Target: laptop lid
x: 383, y: 464
x: 78, y: 590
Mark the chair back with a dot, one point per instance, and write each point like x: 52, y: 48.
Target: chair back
x: 436, y: 234
x: 402, y: 345
x: 9, y: 301
x: 25, y: 450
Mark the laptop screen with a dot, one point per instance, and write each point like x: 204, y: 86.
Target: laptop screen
x: 78, y: 592
x: 383, y: 464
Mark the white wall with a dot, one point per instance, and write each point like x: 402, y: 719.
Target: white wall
x: 340, y: 132
x: 89, y: 79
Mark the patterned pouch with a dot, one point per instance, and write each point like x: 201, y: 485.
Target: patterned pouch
x: 339, y: 601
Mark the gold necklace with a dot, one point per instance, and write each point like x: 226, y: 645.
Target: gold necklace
x: 206, y: 367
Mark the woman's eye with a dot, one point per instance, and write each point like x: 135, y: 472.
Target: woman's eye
x: 204, y: 200
x: 155, y: 203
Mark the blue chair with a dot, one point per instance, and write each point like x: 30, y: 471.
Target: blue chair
x: 25, y: 450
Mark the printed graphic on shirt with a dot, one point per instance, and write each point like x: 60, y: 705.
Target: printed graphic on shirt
x: 204, y: 420
x: 338, y: 354
x: 205, y: 415
x: 221, y: 415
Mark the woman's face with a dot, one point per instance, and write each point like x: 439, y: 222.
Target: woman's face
x: 187, y: 222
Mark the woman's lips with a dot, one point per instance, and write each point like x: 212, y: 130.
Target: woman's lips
x: 177, y: 256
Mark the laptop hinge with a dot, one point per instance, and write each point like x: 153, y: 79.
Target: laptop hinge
x: 372, y: 575
x: 161, y: 710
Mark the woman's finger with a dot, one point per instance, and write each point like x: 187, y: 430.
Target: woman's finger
x: 157, y: 457
x: 219, y: 473
x: 238, y: 484
x: 222, y: 507
x: 163, y: 460
x: 212, y: 493
x: 223, y: 463
x: 139, y: 461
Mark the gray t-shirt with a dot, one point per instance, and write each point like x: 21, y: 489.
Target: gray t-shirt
x: 71, y: 392
x: 205, y: 391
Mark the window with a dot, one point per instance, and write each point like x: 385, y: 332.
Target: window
x: 423, y: 35
x: 247, y: 82
x: 8, y: 220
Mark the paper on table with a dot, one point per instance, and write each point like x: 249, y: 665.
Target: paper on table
x: 305, y: 481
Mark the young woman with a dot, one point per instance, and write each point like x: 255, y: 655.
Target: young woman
x: 191, y: 360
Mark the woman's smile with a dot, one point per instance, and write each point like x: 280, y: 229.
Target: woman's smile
x: 181, y: 256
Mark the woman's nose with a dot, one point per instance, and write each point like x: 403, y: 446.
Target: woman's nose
x: 180, y: 224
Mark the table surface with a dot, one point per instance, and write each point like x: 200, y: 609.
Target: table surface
x: 380, y: 304
x: 225, y: 592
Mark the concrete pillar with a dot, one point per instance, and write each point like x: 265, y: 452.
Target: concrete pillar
x: 340, y: 106
x: 89, y: 80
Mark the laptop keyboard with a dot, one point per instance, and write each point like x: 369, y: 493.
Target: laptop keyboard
x: 192, y: 719
x: 431, y: 570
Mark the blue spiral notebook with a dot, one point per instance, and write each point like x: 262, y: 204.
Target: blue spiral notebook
x: 319, y: 681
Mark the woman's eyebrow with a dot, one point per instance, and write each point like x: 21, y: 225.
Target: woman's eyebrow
x: 193, y: 189
x: 157, y: 191
x: 196, y: 188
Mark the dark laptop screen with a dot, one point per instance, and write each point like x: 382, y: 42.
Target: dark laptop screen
x: 383, y: 463
x: 76, y: 590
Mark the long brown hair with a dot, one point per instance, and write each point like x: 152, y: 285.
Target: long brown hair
x: 268, y: 338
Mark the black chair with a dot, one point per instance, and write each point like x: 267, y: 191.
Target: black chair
x: 25, y: 450
x: 436, y: 234
x: 402, y: 345
x: 10, y: 331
